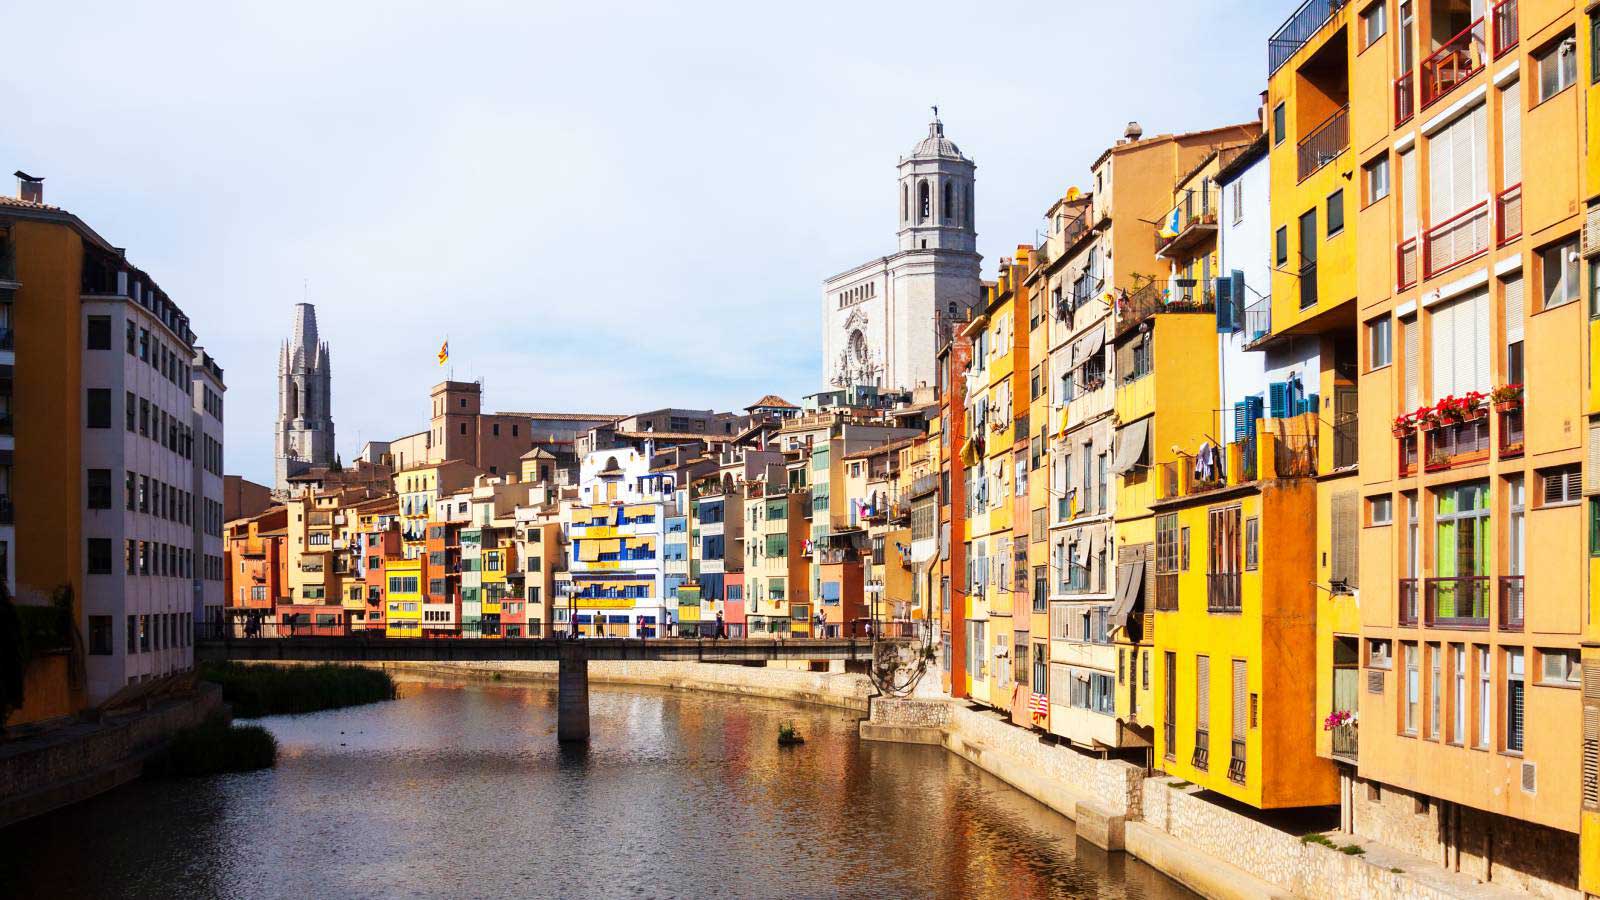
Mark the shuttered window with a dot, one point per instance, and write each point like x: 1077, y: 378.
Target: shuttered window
x: 1561, y: 485
x: 1592, y: 482
x: 1460, y: 345
x: 1241, y: 693
x: 1458, y: 167
x: 1345, y: 510
x: 1510, y: 135
x: 1202, y: 679
x: 1514, y: 309
x: 1408, y: 193
x: 1413, y: 343
x: 1591, y: 736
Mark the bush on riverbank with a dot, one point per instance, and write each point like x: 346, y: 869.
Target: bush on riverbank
x: 282, y: 690
x: 216, y: 747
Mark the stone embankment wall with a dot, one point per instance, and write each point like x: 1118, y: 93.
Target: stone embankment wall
x: 78, y: 761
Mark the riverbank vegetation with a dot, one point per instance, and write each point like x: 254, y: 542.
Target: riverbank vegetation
x: 268, y: 690
x: 216, y: 747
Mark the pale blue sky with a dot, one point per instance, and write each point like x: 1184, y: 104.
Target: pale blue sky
x: 608, y: 207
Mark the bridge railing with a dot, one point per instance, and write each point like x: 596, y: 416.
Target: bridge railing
x: 238, y: 625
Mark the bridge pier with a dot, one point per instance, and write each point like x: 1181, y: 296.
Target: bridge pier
x: 572, y: 693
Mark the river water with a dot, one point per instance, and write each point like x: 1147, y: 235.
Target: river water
x: 460, y: 790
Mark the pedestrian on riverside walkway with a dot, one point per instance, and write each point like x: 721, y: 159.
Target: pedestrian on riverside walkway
x: 722, y: 627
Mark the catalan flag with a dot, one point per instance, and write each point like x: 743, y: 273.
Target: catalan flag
x: 444, y: 352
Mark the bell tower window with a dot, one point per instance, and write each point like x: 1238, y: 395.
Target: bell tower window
x: 945, y: 206
x: 923, y: 200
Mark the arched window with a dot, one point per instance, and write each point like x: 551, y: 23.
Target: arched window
x: 905, y: 203
x: 922, y: 201
x: 945, y: 206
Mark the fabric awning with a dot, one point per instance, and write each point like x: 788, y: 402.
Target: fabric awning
x: 1130, y: 577
x: 1088, y: 346
x: 1131, y: 441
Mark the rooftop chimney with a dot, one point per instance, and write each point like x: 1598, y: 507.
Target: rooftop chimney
x: 29, y: 188
x: 1133, y: 132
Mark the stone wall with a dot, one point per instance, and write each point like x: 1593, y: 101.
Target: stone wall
x: 1510, y: 853
x: 1056, y: 775
x: 78, y: 761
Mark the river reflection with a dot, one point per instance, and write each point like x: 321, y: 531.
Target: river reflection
x: 460, y: 790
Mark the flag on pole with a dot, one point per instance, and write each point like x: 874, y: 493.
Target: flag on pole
x: 444, y: 352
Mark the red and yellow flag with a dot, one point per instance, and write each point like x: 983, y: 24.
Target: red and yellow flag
x: 444, y: 353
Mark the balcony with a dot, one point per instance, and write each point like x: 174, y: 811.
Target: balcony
x: 1458, y: 239
x: 1308, y: 285
x: 1512, y: 435
x: 1079, y: 580
x: 1236, y: 759
x: 1187, y: 224
x: 1325, y: 142
x: 1258, y: 320
x: 1346, y: 741
x: 1505, y: 27
x: 1407, y: 597
x: 1511, y: 605
x: 1408, y: 456
x: 1458, y: 444
x: 1460, y: 602
x: 1346, y: 442
x: 1405, y: 99
x: 1169, y: 731
x: 1222, y: 592
x: 1202, y: 749
x: 1300, y: 27
x: 1453, y: 63
x: 1508, y: 215
x: 1141, y: 305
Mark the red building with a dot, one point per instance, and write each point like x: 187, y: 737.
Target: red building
x: 733, y: 603
x: 256, y: 566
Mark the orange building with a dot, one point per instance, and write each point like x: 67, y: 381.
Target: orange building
x: 256, y: 564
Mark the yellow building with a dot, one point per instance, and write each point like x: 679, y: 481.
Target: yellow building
x: 404, y: 598
x: 1405, y: 237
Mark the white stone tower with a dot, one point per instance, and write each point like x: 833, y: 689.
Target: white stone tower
x: 305, y: 394
x: 883, y: 320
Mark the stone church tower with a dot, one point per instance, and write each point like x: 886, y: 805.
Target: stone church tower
x: 305, y: 394
x: 883, y: 320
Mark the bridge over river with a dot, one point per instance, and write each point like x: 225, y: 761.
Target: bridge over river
x: 572, y: 656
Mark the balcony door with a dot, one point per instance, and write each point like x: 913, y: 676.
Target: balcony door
x: 1461, y: 552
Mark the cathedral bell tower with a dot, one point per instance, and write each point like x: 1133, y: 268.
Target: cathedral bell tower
x: 304, y: 431
x: 936, y: 196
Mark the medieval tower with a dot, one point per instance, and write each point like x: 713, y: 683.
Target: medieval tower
x: 305, y: 392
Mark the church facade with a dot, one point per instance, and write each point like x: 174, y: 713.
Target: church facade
x: 882, y: 320
x: 304, y: 433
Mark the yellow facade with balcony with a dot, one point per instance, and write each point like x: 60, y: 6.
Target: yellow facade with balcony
x: 404, y: 598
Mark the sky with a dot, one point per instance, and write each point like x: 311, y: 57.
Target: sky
x: 605, y: 207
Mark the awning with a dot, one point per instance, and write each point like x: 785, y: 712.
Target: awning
x: 1130, y: 577
x: 1131, y: 441
x: 1088, y: 346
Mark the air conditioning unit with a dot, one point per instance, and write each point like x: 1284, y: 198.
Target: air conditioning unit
x: 1374, y: 681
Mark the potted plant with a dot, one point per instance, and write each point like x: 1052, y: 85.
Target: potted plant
x: 1426, y: 417
x: 1404, y: 425
x: 1506, y: 397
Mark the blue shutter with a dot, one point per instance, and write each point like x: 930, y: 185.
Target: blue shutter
x: 1279, y: 393
x: 1224, y: 303
x: 1236, y: 293
x: 1241, y: 421
x: 1311, y: 404
x: 1254, y: 404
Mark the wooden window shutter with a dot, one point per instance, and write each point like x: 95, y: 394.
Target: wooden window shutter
x: 1574, y: 483
x: 1413, y: 342
x: 1514, y: 309
x: 1345, y: 534
x: 1591, y: 755
x: 1592, y: 466
x: 1241, y: 691
x: 1202, y: 675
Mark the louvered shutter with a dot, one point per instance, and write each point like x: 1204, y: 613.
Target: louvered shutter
x: 1511, y: 136
x: 1241, y: 426
x: 1514, y: 305
x: 1592, y: 465
x: 1478, y: 178
x: 1413, y: 345
x: 1312, y: 404
x: 1202, y: 692
x: 1574, y: 483
x: 1408, y: 193
x: 1241, y: 695
x: 1279, y: 392
x: 1591, y: 756
x: 1253, y: 404
x: 1591, y: 229
x: 1224, y: 304
x: 1442, y: 350
x: 1479, y: 355
x: 1441, y: 177
x: 1344, y: 536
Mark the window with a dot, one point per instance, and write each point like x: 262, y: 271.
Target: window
x: 99, y: 489
x: 1380, y: 510
x: 1560, y: 266
x: 1252, y: 543
x: 1280, y: 245
x: 1380, y: 343
x: 1435, y: 688
x: 1374, y: 23
x: 98, y: 333
x: 1460, y: 351
x: 99, y: 556
x: 1514, y: 698
x: 1558, y: 67
x: 1485, y: 697
x: 100, y: 636
x: 98, y: 407
x: 1561, y: 486
x: 1559, y: 668
x: 1376, y: 175
x: 1413, y: 687
x: 1335, y: 212
x: 1380, y: 654
x: 1594, y: 47
x: 1280, y: 123
x: 1237, y: 189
